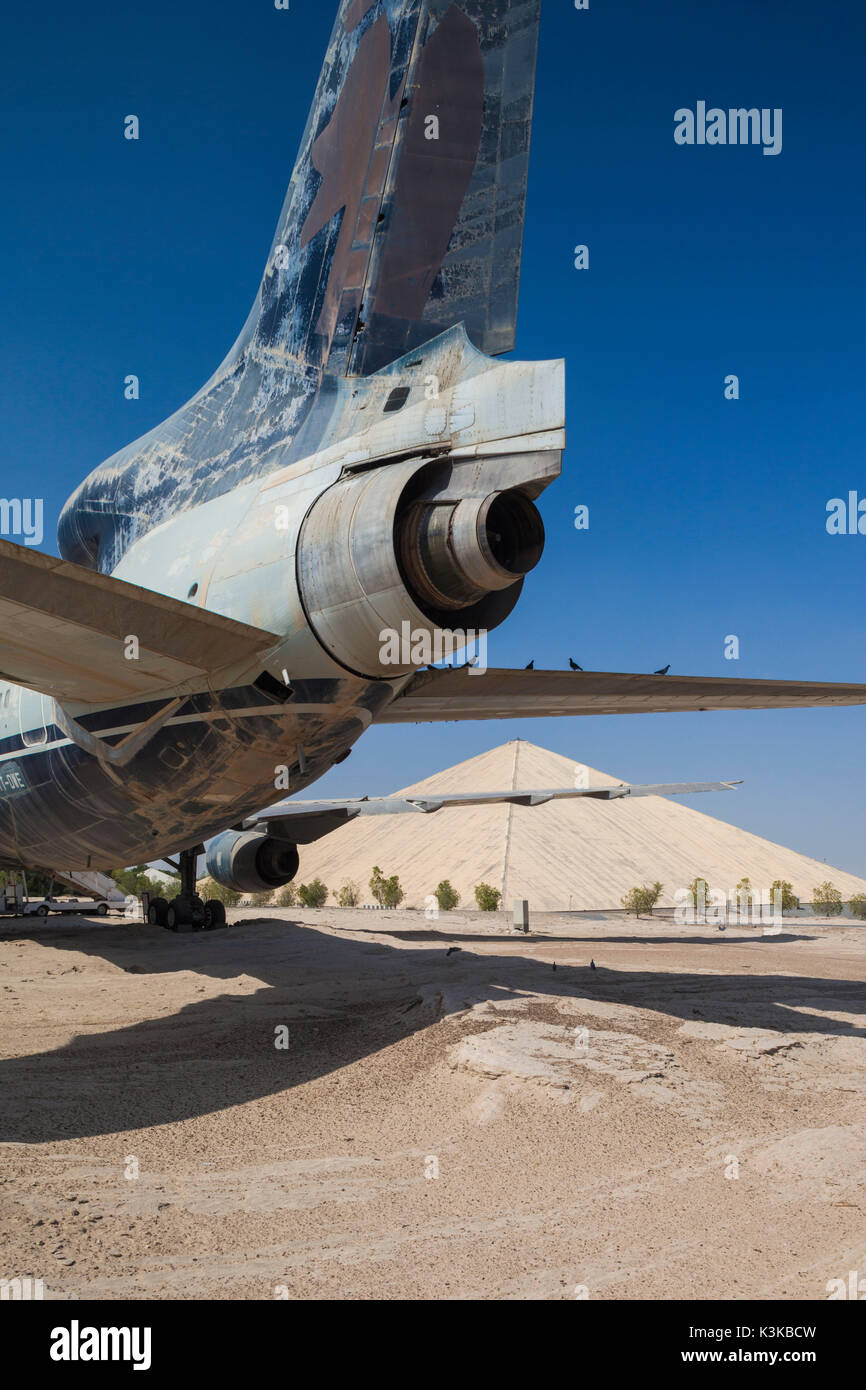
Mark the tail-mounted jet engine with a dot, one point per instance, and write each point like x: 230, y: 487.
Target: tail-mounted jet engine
x: 423, y: 546
x: 249, y: 862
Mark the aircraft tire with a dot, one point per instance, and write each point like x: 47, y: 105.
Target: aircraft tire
x: 157, y: 913
x: 185, y: 916
x: 215, y: 915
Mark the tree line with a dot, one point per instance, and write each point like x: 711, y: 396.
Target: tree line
x: 386, y: 890
x: 827, y: 900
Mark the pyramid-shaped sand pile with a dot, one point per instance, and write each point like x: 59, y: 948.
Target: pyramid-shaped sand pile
x: 579, y: 854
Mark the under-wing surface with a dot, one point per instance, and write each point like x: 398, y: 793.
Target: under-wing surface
x: 77, y: 635
x: 248, y: 587
x: 442, y: 694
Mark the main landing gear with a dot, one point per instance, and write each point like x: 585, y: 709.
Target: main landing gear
x: 187, y: 912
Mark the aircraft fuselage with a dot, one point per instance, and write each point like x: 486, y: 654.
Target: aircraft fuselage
x: 310, y: 551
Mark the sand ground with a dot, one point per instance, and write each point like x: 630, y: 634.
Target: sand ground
x: 685, y: 1121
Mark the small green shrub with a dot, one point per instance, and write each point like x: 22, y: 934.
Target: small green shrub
x: 699, y: 890
x: 790, y: 901
x: 386, y: 891
x: 487, y: 898
x: 745, y: 894
x: 447, y: 896
x: 643, y: 899
x: 827, y: 900
x: 313, y: 894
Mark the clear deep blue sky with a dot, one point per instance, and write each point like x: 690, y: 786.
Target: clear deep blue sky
x: 707, y: 516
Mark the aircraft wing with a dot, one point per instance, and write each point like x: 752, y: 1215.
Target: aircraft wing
x: 435, y: 696
x: 305, y: 821
x: 64, y: 631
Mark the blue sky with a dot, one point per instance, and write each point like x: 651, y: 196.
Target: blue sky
x: 707, y: 516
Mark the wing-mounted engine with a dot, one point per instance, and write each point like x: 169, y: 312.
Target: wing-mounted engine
x: 249, y: 861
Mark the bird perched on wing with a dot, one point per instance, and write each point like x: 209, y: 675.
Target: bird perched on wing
x: 592, y: 965
x: 554, y: 965
x: 530, y: 666
x: 662, y: 672
x: 451, y: 950
x: 573, y: 664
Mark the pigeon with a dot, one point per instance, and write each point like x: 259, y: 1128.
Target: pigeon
x: 573, y: 664
x: 451, y: 950
x: 554, y: 965
x: 662, y: 672
x: 592, y: 965
x: 530, y: 666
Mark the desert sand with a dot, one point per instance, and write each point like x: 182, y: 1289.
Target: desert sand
x: 686, y: 1120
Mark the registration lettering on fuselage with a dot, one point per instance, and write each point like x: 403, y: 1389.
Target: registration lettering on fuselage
x: 12, y: 780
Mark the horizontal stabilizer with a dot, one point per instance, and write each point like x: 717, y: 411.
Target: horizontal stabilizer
x: 65, y: 631
x: 434, y: 696
x: 305, y: 821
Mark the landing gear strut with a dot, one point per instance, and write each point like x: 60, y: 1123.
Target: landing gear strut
x: 187, y: 912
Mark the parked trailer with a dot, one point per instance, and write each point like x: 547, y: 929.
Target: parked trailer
x: 103, y: 896
x: 83, y: 907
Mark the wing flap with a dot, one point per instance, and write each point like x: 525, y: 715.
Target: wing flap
x: 435, y: 696
x: 64, y: 631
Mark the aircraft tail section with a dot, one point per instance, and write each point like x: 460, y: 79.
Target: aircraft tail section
x: 404, y: 214
x: 310, y: 293
x: 403, y: 218
x: 450, y: 234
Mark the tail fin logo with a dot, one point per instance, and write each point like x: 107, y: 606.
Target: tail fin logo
x: 342, y: 154
x: 395, y: 264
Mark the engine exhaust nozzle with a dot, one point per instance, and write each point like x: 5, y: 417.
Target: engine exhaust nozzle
x: 455, y: 552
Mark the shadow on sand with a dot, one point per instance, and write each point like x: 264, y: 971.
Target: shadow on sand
x: 343, y: 999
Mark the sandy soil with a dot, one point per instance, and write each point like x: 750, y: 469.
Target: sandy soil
x: 472, y: 1125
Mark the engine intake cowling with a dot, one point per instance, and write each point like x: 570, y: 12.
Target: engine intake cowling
x: 249, y: 862
x: 440, y: 544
